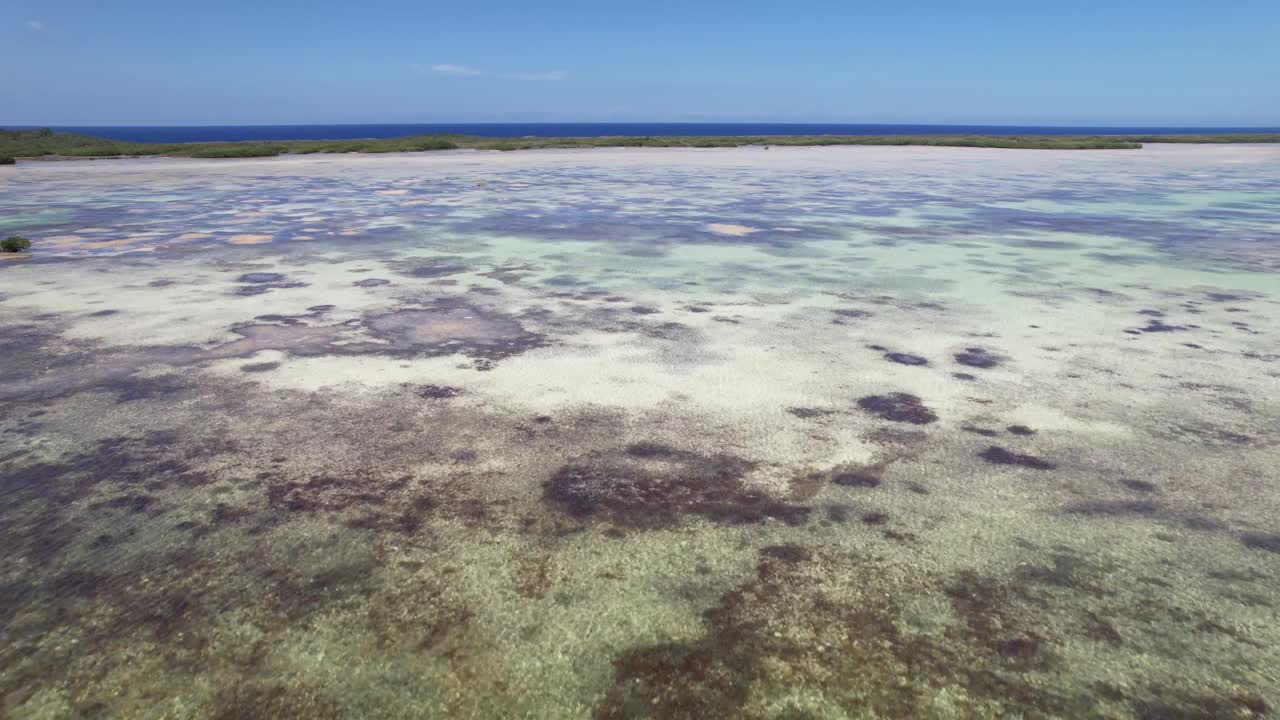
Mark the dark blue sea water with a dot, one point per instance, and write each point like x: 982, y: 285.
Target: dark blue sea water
x: 214, y: 133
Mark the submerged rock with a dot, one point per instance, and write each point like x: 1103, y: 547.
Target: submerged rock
x: 1000, y: 456
x: 653, y: 485
x: 905, y: 359
x: 977, y: 357
x: 898, y: 407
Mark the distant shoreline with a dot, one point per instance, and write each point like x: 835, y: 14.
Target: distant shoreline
x: 277, y: 133
x: 46, y: 144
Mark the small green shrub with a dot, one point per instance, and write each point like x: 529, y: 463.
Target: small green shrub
x: 97, y: 151
x: 433, y: 145
x: 13, y: 243
x: 237, y: 150
x: 8, y: 161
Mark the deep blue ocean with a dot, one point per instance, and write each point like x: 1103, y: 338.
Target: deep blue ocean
x: 214, y: 133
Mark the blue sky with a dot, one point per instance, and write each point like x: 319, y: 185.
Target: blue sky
x: 132, y: 62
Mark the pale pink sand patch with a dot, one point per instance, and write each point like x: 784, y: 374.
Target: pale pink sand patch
x: 731, y: 229
x: 114, y: 243
x: 63, y: 240
x: 76, y: 242
x: 250, y: 239
x: 192, y: 236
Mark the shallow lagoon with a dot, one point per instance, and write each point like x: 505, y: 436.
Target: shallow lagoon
x: 807, y: 432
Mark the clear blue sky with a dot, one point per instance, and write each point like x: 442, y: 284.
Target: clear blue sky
x: 132, y: 62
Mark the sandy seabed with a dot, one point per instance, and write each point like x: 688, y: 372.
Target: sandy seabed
x: 843, y: 432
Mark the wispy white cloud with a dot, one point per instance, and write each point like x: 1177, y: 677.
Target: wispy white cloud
x: 36, y: 26
x: 449, y: 69
x: 464, y: 70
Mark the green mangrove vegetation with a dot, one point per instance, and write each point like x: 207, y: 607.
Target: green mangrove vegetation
x: 13, y: 244
x: 46, y: 143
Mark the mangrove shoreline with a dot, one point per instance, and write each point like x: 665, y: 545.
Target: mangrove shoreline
x: 45, y: 144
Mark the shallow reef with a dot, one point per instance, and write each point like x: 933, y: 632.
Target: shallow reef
x: 645, y: 433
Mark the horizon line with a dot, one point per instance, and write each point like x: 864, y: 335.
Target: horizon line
x: 29, y: 126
